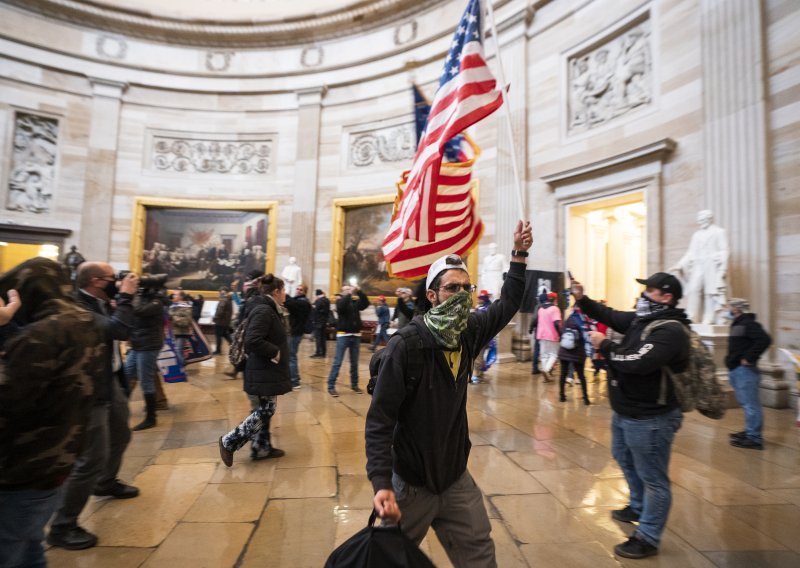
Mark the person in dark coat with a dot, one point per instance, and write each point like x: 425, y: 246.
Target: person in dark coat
x: 223, y: 316
x: 266, y: 373
x: 746, y: 343
x: 321, y: 314
x: 576, y: 356
x: 299, y: 315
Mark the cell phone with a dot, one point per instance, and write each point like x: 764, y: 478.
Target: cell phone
x: 569, y: 274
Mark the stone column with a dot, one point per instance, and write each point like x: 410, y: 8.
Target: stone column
x: 735, y: 91
x: 513, y: 43
x: 101, y: 164
x: 305, y: 179
x: 513, y: 50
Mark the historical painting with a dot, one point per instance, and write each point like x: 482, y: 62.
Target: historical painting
x: 202, y: 246
x: 360, y: 224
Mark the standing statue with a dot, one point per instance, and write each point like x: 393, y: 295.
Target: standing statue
x: 72, y: 260
x: 292, y: 276
x: 704, y: 268
x: 492, y: 271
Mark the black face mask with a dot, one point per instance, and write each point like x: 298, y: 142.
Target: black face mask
x: 110, y: 289
x: 645, y: 306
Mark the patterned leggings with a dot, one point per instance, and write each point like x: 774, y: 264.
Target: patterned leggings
x: 255, y: 427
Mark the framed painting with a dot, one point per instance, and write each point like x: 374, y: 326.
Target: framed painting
x: 202, y: 245
x: 359, y: 226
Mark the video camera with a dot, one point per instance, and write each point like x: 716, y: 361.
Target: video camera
x: 147, y: 281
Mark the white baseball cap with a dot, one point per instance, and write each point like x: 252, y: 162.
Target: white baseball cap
x: 447, y: 262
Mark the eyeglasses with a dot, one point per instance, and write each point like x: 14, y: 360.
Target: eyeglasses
x: 455, y: 288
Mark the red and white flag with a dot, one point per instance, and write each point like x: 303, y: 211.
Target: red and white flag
x: 436, y: 214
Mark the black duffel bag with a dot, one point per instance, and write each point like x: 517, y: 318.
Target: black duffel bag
x: 378, y: 547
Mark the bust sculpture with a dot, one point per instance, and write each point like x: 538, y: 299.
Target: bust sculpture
x: 292, y: 276
x: 704, y: 269
x: 491, y: 277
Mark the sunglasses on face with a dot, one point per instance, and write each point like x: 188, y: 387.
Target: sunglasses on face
x: 455, y: 288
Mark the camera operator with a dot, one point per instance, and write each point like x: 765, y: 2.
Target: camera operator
x: 147, y: 338
x: 107, y: 434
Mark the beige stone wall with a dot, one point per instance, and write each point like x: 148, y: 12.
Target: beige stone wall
x: 363, y: 85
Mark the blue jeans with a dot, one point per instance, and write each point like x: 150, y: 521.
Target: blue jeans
x: 642, y: 449
x: 382, y: 335
x: 143, y: 365
x: 294, y: 371
x: 344, y: 343
x: 745, y: 382
x: 23, y: 515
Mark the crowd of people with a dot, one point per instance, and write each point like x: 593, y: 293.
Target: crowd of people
x: 64, y: 417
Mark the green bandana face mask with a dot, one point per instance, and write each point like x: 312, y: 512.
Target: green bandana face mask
x: 447, y: 320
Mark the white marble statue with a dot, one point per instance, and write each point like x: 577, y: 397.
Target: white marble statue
x: 292, y: 276
x: 704, y: 269
x: 491, y: 277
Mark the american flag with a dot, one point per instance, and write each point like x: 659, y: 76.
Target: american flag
x: 430, y: 219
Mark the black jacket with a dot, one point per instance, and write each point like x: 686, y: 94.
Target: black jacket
x: 114, y: 326
x: 265, y: 338
x: 634, y: 366
x: 747, y: 340
x: 349, y: 311
x: 299, y: 311
x: 322, y: 310
x: 424, y: 436
x: 148, y: 324
x: 252, y: 299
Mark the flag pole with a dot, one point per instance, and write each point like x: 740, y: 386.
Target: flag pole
x: 507, y: 109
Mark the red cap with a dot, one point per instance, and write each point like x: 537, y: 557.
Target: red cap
x: 552, y: 295
x: 381, y: 298
x: 483, y: 293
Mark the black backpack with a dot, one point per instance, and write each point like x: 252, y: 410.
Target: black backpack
x: 415, y: 347
x: 378, y: 547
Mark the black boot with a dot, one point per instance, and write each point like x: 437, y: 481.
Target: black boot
x: 150, y: 419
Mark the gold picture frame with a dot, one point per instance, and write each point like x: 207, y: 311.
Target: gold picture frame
x: 207, y: 257
x: 376, y: 211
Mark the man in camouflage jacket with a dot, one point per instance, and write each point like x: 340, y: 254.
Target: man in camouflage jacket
x: 51, y: 353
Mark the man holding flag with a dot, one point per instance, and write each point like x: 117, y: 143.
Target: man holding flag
x: 417, y: 437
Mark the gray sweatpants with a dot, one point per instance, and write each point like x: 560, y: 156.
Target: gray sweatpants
x: 457, y: 516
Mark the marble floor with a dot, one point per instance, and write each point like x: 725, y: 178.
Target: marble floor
x: 545, y: 469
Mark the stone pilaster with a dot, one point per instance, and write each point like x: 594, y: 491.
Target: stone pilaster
x: 512, y: 46
x: 735, y: 144
x: 305, y: 177
x: 101, y: 163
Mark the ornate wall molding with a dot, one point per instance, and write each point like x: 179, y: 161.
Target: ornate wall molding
x: 219, y: 156
x: 405, y: 32
x: 611, y: 77
x: 311, y: 56
x: 219, y: 60
x: 382, y: 145
x: 111, y: 46
x: 354, y: 19
x: 33, y: 163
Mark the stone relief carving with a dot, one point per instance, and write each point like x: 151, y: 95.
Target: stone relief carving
x: 311, y: 56
x: 611, y: 79
x: 212, y: 156
x: 111, y: 46
x: 219, y: 60
x: 393, y: 144
x: 30, y: 185
x: 405, y: 32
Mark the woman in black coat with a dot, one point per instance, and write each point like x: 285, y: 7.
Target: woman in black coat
x: 576, y: 356
x: 266, y: 373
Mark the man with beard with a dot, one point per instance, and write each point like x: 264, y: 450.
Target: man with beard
x: 417, y: 438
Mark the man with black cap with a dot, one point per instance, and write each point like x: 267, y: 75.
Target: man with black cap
x: 746, y: 343
x: 417, y: 439
x: 646, y: 413
x: 321, y: 314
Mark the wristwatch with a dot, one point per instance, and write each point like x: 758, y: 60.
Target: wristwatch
x: 522, y: 253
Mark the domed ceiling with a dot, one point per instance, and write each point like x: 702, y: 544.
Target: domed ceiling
x: 229, y: 22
